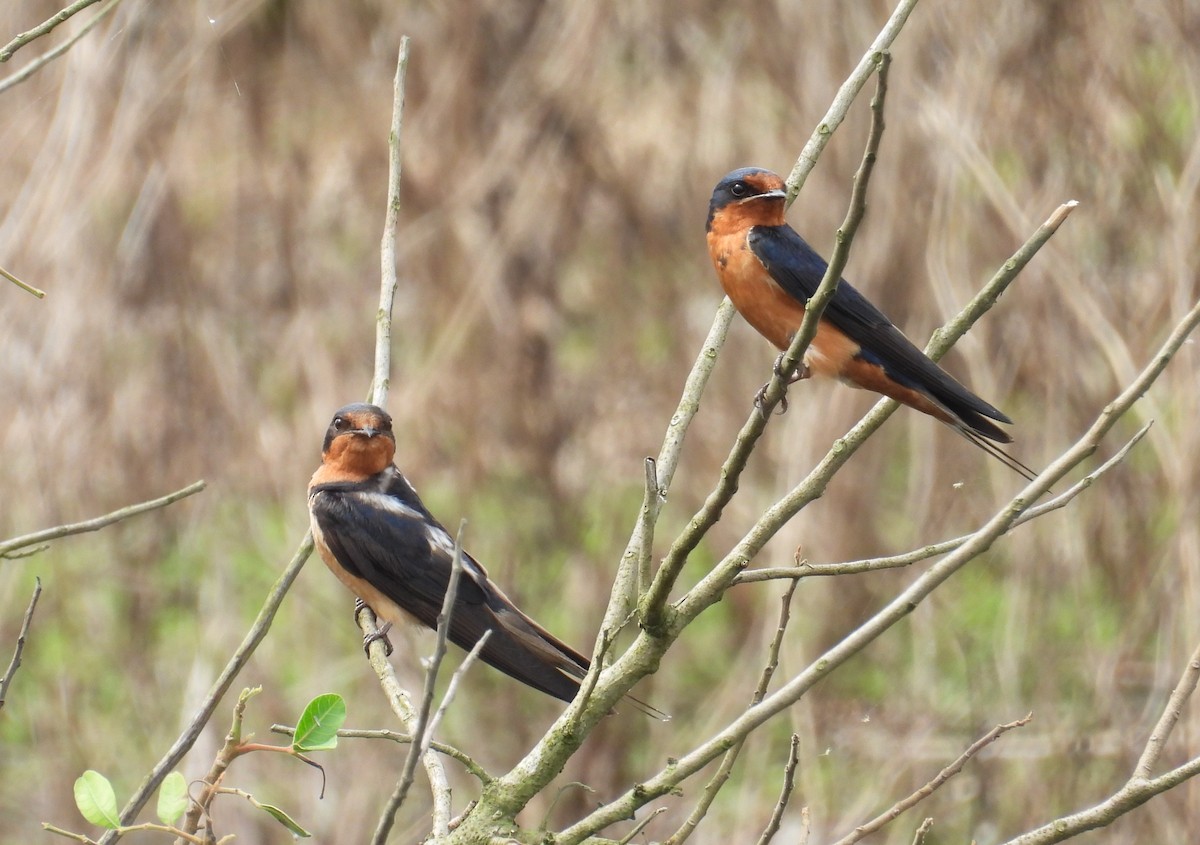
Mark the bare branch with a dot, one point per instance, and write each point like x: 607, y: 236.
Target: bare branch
x: 1140, y: 788
x: 442, y: 748
x: 6, y: 52
x: 904, y: 603
x: 626, y: 588
x: 640, y: 826
x: 198, y: 807
x: 15, y: 663
x: 845, y: 98
x: 387, y: 260
x: 181, y: 746
x: 721, y: 777
x: 935, y: 549
x: 1166, y: 723
x: 1134, y: 794
x: 452, y: 687
x: 815, y: 307
x: 40, y: 294
x: 33, y: 67
x: 420, y: 725
x: 922, y: 829
x: 785, y: 794
x: 9, y: 546
x: 928, y: 789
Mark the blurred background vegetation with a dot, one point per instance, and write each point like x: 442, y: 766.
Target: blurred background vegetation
x: 200, y: 186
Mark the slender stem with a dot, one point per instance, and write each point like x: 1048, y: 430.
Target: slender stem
x: 893, y: 812
x: 15, y: 663
x: 9, y: 546
x: 626, y: 586
x: 387, y: 250
x: 442, y: 748
x: 875, y: 564
x: 1170, y: 715
x: 6, y: 52
x: 181, y: 746
x: 721, y: 777
x: 785, y: 794
x: 420, y: 726
x: 33, y: 67
x: 40, y: 294
x: 845, y: 96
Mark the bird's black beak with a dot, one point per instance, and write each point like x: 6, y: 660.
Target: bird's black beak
x: 770, y: 195
x: 368, y: 431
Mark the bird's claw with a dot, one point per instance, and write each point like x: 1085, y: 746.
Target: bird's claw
x: 380, y: 633
x: 760, y: 400
x: 801, y: 372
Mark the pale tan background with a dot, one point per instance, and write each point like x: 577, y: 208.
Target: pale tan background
x: 200, y: 188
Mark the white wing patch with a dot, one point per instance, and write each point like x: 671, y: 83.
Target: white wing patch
x: 439, y: 539
x: 391, y: 504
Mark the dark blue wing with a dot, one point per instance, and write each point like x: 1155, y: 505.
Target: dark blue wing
x: 798, y: 269
x: 408, y: 556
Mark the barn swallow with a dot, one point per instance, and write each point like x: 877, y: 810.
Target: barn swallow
x: 379, y: 539
x: 770, y: 272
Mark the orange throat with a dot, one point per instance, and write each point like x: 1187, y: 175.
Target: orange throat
x: 355, y: 457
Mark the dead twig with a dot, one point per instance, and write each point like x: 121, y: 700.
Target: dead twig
x: 15, y: 663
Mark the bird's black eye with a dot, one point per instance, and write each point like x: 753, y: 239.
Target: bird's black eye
x: 385, y: 425
x: 739, y: 189
x: 339, y: 424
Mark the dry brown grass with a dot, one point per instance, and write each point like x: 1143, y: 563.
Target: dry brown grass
x: 203, y: 202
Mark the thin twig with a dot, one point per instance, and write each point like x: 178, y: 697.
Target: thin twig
x: 935, y: 549
x: 99, y: 522
x: 817, y: 303
x: 198, y: 807
x: 896, y: 610
x: 6, y: 52
x: 442, y: 748
x: 785, y: 794
x: 922, y: 829
x: 1166, y: 723
x: 40, y: 294
x: 721, y: 776
x: 15, y: 663
x: 626, y: 589
x: 1140, y: 788
x: 845, y: 97
x: 928, y: 789
x: 640, y: 826
x: 402, y: 705
x: 646, y: 521
x: 33, y: 67
x: 452, y: 687
x: 181, y: 746
x: 420, y: 726
x: 387, y: 250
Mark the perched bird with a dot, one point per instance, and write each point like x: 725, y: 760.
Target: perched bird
x: 770, y: 272
x: 376, y: 536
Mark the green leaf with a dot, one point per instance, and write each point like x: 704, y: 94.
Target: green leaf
x: 318, y: 725
x: 172, y: 798
x: 96, y: 800
x: 283, y: 818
